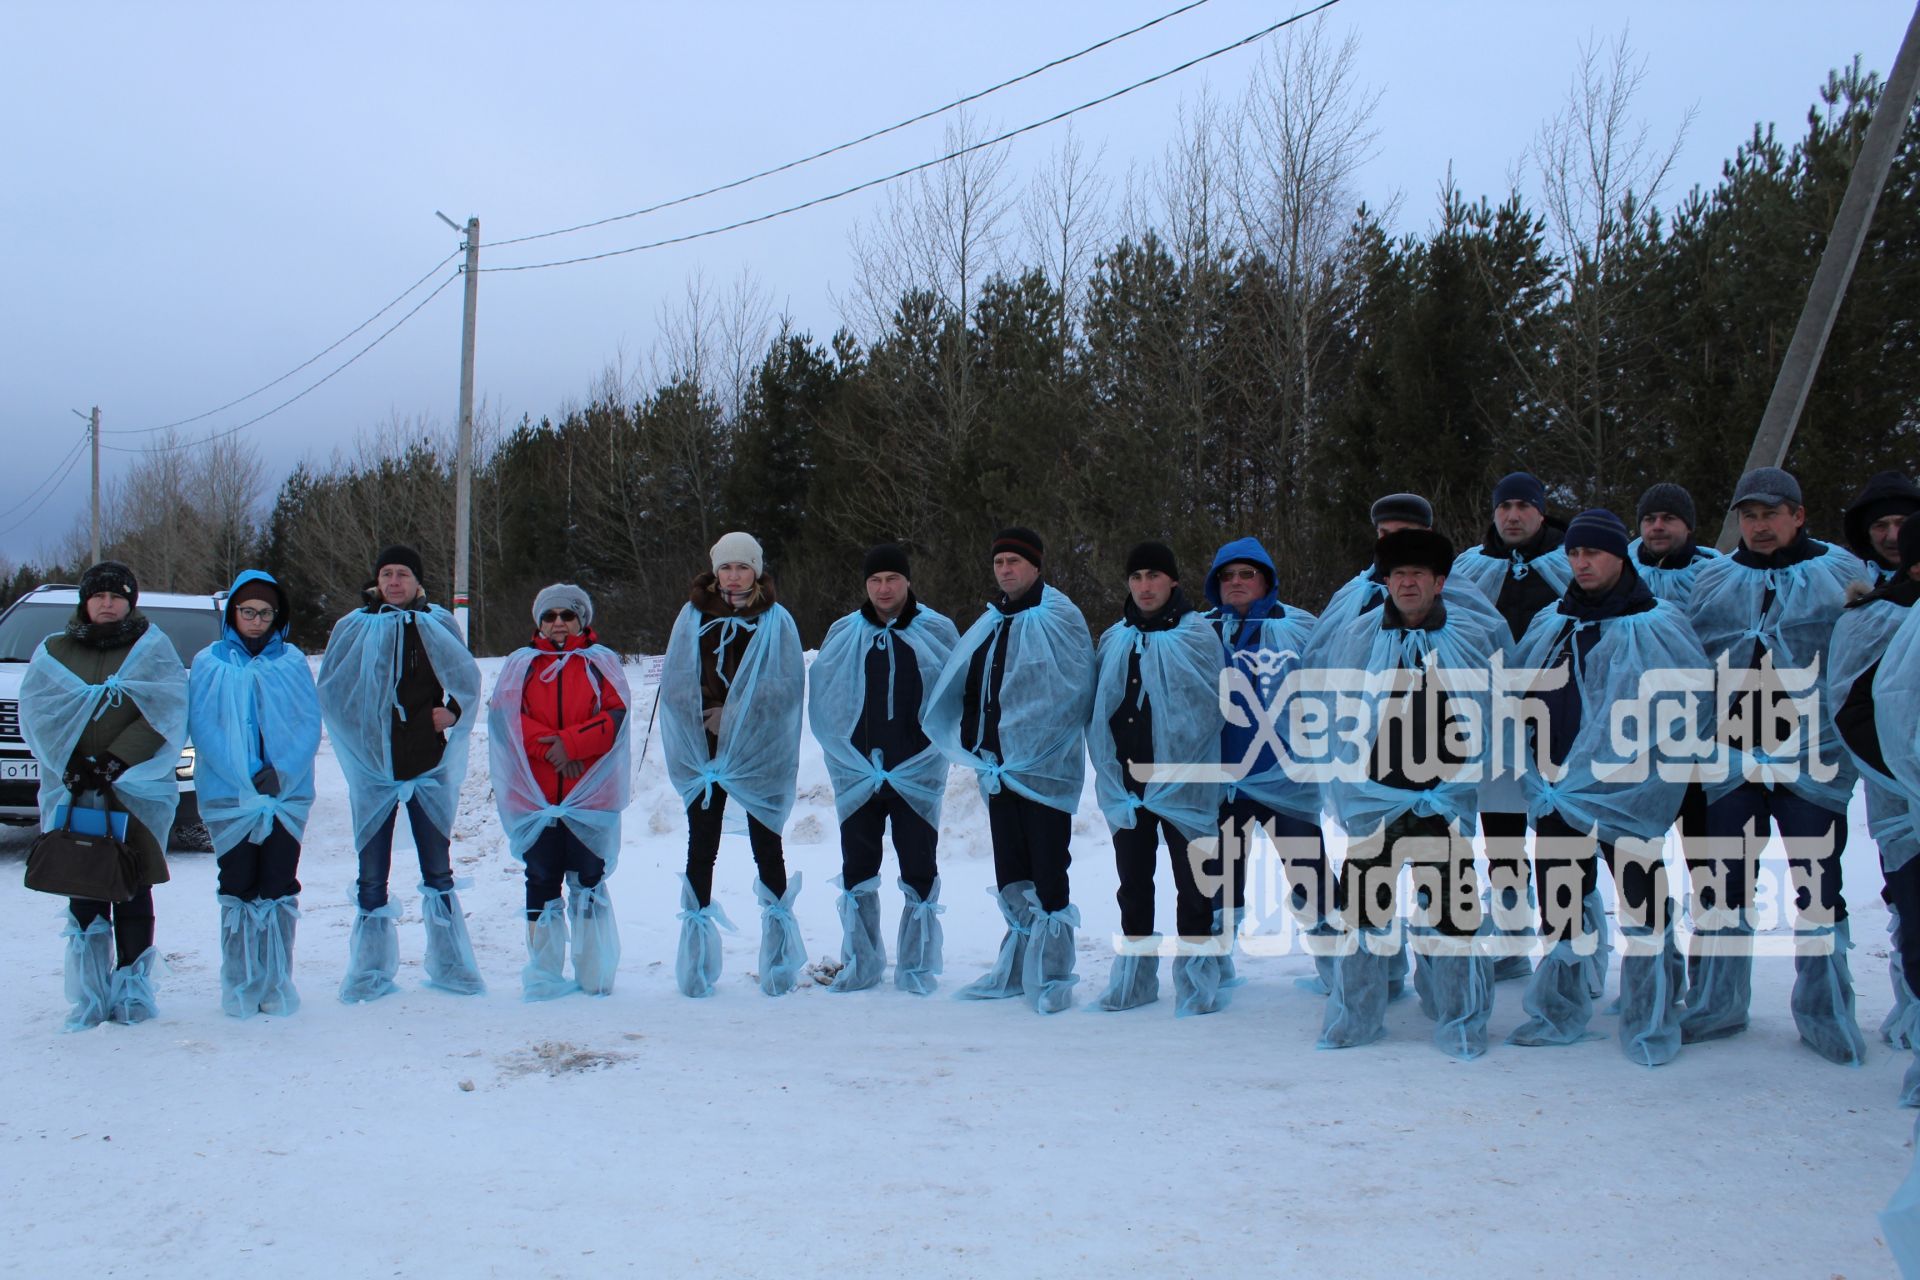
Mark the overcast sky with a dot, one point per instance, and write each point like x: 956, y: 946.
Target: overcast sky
x: 197, y: 197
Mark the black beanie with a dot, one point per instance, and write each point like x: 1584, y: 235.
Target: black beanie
x: 399, y: 553
x: 888, y: 557
x: 1521, y: 486
x: 1597, y: 529
x: 1423, y: 548
x: 1153, y: 555
x: 1667, y: 497
x: 112, y: 578
x: 1021, y: 542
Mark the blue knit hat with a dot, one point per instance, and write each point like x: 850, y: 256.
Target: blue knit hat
x: 1597, y: 529
x: 1521, y: 486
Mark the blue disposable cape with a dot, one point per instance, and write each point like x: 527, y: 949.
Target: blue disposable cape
x: 757, y: 760
x: 1360, y: 662
x: 1180, y: 680
x: 1489, y: 573
x: 836, y: 699
x: 591, y: 809
x: 1046, y: 694
x: 1623, y: 775
x: 1883, y: 632
x: 1363, y: 591
x: 248, y: 712
x: 359, y: 677
x: 1252, y: 695
x: 56, y: 706
x: 1675, y: 586
x: 1796, y: 629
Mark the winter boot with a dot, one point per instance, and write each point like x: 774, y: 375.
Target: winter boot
x: 696, y: 965
x: 89, y: 969
x: 545, y: 977
x: 782, y: 951
x: 596, y: 936
x: 1823, y: 994
x: 863, y: 956
x: 1009, y: 967
x: 373, y: 955
x: 450, y: 962
x: 919, y: 941
x: 1047, y: 976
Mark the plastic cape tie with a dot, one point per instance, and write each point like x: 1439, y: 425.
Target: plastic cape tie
x: 246, y: 710
x: 1179, y: 680
x: 1046, y: 694
x: 56, y: 706
x: 1456, y: 655
x: 592, y: 806
x: 757, y: 754
x: 358, y: 687
x: 1803, y: 603
x: 1487, y: 573
x: 836, y: 702
x: 1623, y: 787
x: 1672, y: 585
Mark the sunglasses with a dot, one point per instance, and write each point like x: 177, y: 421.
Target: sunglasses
x: 252, y: 614
x: 559, y: 615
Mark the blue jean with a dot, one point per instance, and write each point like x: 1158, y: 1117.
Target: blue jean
x: 1814, y: 838
x: 376, y: 860
x: 554, y: 853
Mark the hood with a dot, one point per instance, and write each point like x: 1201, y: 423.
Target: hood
x: 281, y: 616
x: 1888, y: 488
x: 1250, y: 550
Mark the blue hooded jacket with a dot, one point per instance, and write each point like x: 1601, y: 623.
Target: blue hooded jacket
x: 1265, y: 643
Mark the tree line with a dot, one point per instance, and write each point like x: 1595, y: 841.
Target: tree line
x: 1228, y: 342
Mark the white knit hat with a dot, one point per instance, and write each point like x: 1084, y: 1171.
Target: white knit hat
x: 738, y: 548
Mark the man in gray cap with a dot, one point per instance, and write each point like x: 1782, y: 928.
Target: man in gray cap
x: 1769, y: 611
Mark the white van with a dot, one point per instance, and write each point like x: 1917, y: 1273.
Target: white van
x: 191, y: 622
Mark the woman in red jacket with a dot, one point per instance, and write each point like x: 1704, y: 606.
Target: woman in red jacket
x: 561, y: 777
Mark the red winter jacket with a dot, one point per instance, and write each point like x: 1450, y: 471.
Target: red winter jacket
x: 566, y: 706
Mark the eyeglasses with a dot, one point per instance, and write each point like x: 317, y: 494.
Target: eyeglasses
x: 251, y: 614
x: 559, y: 615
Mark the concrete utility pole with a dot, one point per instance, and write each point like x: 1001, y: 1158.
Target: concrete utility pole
x: 1830, y: 278
x: 93, y: 432
x: 463, y: 472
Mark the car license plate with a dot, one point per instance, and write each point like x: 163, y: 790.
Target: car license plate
x: 19, y: 770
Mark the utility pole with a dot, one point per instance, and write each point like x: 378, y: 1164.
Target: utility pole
x: 463, y: 471
x: 93, y: 431
x: 1830, y: 278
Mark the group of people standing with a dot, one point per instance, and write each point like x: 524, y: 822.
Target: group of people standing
x: 1196, y: 716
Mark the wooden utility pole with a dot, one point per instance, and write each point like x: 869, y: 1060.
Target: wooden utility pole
x: 93, y: 433
x: 463, y: 470
x: 1830, y: 278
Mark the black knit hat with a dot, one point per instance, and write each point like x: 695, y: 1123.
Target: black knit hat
x: 1021, y: 542
x: 1153, y: 555
x: 401, y: 554
x: 888, y: 557
x: 1667, y: 497
x: 1408, y: 507
x: 1422, y: 548
x: 1521, y: 486
x: 1597, y: 529
x: 112, y: 578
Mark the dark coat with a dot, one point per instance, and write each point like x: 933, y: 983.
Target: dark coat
x: 1408, y: 736
x: 417, y: 745
x: 720, y: 661
x: 1572, y: 644
x: 900, y: 738
x: 983, y: 685
x: 1855, y: 717
x: 1132, y: 721
x: 1522, y: 598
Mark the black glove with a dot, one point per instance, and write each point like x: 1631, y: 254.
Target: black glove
x: 83, y: 774
x: 267, y: 782
x: 111, y: 767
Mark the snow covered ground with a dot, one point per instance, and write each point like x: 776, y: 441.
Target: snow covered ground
x: 879, y: 1133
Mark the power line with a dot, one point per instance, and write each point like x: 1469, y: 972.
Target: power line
x: 926, y: 164
x: 59, y: 474
x: 168, y: 426
x: 218, y: 435
x: 863, y: 138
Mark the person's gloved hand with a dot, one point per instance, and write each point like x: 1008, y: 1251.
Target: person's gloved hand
x: 82, y: 774
x: 111, y: 767
x: 267, y: 782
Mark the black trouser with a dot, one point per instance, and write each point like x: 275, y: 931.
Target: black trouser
x: 1902, y: 893
x: 1443, y: 876
x: 915, y: 841
x: 376, y: 860
x: 1310, y: 892
x: 1136, y: 852
x: 1505, y: 835
x: 132, y: 922
x: 1814, y: 838
x: 554, y: 853
x: 1030, y: 843
x: 703, y: 846
x: 1567, y: 870
x: 252, y: 871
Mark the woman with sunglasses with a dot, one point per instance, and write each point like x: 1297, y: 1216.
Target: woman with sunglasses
x: 255, y: 721
x: 557, y: 729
